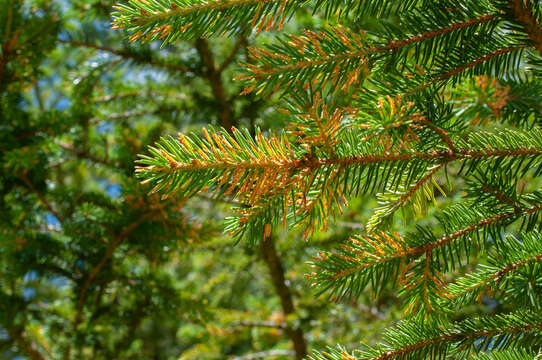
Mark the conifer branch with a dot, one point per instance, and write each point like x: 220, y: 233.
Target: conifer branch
x: 360, y: 159
x: 378, y: 258
x: 522, y: 11
x: 134, y: 323
x: 42, y: 198
x: 316, y: 123
x: 391, y: 202
x: 113, y: 245
x: 80, y: 153
x: 144, y: 93
x: 181, y: 19
x: 337, y: 56
x: 178, y: 10
x: 130, y: 56
x: 442, y: 134
x: 396, y: 44
x: 500, y: 196
x: 476, y: 62
x: 416, y: 339
x: 273, y: 177
x: 510, y: 354
x: 128, y: 115
x: 521, y: 327
x: 463, y: 287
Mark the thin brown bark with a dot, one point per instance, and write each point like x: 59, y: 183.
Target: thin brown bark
x: 276, y: 270
x: 24, y: 344
x: 214, y: 76
x: 269, y: 252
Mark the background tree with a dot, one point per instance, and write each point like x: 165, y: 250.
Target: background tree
x: 437, y: 97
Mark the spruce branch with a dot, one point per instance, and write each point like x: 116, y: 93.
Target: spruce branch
x: 275, y: 177
x: 394, y: 45
x: 527, y: 13
x: 182, y: 19
x: 223, y: 152
x: 130, y: 55
x: 140, y: 93
x: 113, y: 245
x: 378, y: 259
x: 316, y: 123
x: 512, y: 256
x: 416, y: 339
x: 513, y: 354
x: 42, y: 198
x: 82, y: 154
x: 510, y: 55
x: 414, y: 193
x: 359, y: 8
x: 338, y: 57
x: 486, y: 99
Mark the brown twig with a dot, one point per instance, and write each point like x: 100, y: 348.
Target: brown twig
x: 144, y: 93
x: 24, y: 344
x: 521, y: 9
x: 276, y: 270
x: 117, y: 240
x: 502, y: 197
x: 241, y: 42
x: 42, y: 198
x: 214, y: 76
x: 127, y: 55
x: 81, y: 153
x: 263, y: 324
x: 127, y: 115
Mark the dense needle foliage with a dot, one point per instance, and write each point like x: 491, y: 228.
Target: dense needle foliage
x: 430, y: 99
